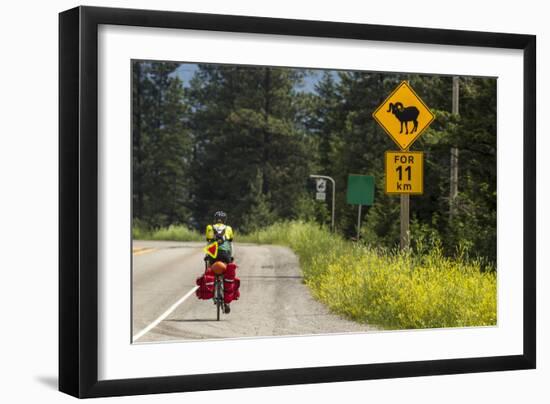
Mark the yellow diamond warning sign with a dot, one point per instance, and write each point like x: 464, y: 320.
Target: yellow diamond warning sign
x: 404, y: 116
x: 404, y: 172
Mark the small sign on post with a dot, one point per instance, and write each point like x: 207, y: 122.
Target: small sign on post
x: 321, y: 186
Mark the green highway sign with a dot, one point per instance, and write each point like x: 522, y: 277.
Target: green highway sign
x: 360, y: 189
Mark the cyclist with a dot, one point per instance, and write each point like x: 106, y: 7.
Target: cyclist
x: 223, y: 234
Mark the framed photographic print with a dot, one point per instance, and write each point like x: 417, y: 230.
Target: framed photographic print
x: 251, y: 201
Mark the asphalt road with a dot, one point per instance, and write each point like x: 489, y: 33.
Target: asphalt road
x: 274, y: 300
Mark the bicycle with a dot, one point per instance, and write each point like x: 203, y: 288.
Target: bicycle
x: 218, y: 297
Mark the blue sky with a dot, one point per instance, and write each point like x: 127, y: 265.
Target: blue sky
x: 186, y: 70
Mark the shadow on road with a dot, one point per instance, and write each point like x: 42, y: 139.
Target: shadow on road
x: 192, y: 320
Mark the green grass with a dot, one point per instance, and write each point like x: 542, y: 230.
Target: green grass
x: 391, y: 289
x: 172, y: 233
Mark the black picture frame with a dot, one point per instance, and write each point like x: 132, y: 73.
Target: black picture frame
x: 78, y: 200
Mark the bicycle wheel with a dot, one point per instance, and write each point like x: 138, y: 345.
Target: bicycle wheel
x: 218, y: 298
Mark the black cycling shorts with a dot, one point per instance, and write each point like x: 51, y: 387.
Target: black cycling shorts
x: 223, y: 256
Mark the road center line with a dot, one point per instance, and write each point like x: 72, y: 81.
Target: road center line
x: 142, y: 250
x: 163, y: 315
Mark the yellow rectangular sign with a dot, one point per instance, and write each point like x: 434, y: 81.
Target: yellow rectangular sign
x: 404, y: 172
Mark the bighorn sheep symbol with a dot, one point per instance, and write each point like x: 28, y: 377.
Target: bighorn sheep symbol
x: 405, y: 115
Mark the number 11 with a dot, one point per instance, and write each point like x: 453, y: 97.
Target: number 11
x: 400, y: 172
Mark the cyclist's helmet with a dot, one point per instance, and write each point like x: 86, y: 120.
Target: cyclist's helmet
x: 220, y: 217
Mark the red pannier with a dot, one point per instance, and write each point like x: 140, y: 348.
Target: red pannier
x: 206, y: 285
x: 231, y: 284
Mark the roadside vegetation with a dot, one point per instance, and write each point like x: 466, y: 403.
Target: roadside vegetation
x: 392, y: 289
x: 173, y: 233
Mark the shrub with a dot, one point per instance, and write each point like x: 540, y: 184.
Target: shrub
x: 171, y: 233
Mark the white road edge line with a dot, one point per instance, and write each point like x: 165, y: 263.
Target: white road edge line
x: 163, y: 315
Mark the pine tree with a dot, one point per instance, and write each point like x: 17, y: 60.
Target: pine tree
x: 161, y: 145
x: 249, y: 155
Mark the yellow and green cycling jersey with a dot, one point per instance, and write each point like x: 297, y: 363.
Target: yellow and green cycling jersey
x: 221, y: 233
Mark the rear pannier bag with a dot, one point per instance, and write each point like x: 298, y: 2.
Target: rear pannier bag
x: 231, y: 289
x: 206, y: 286
x: 236, y: 288
x: 230, y: 283
x: 230, y: 271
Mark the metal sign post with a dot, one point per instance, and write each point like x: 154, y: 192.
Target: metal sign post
x: 359, y: 222
x: 333, y: 194
x: 405, y: 238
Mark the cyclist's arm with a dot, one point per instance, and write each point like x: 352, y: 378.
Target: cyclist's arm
x: 229, y: 233
x: 229, y: 237
x: 209, y: 233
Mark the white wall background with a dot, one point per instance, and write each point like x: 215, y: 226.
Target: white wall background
x: 28, y: 206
